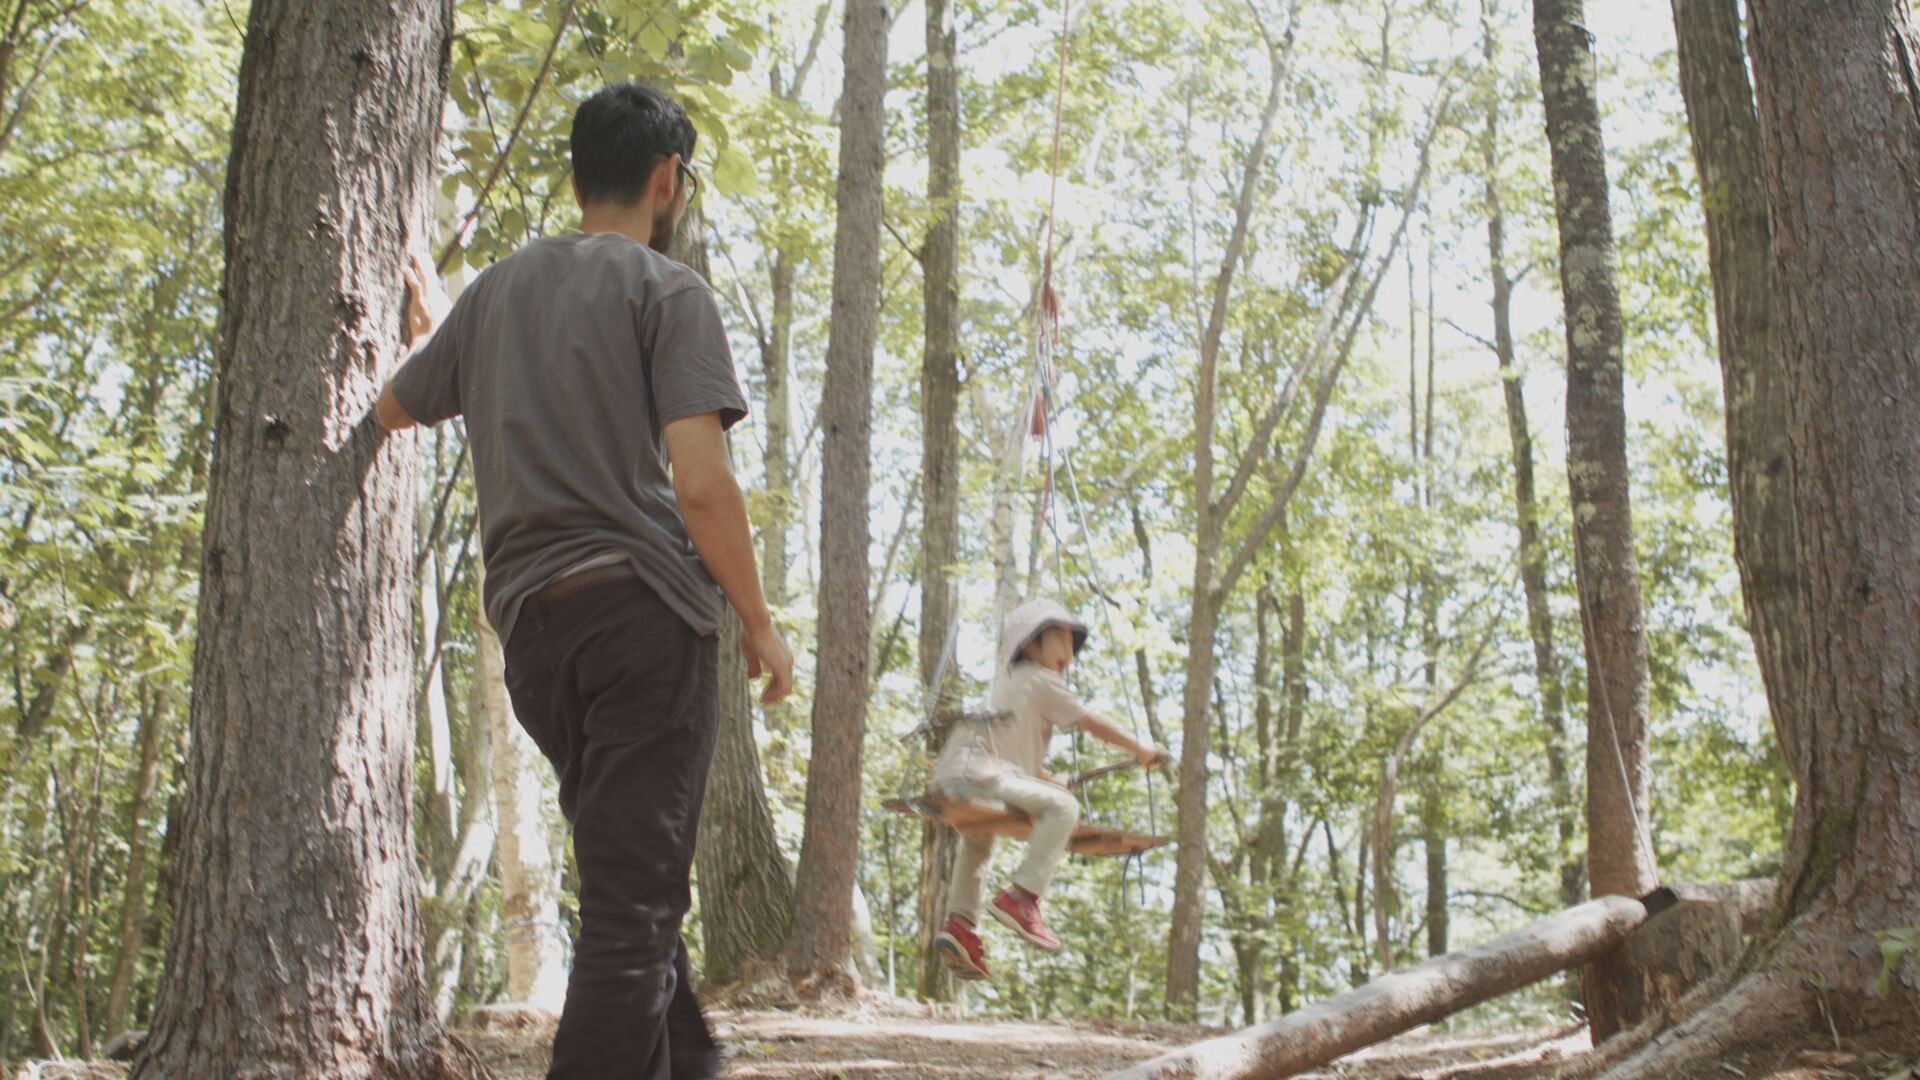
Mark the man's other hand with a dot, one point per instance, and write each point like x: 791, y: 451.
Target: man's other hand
x: 767, y: 654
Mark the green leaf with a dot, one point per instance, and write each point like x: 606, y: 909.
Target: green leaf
x: 653, y: 40
x: 1894, y: 946
x: 733, y: 172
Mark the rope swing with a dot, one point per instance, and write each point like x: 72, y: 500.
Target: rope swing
x: 1036, y: 421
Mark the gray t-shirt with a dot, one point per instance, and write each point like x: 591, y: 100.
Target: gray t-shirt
x: 569, y: 358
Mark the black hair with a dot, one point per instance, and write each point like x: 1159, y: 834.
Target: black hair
x: 620, y: 135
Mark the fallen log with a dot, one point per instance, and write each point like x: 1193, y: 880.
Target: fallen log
x: 1752, y: 899
x: 1404, y: 999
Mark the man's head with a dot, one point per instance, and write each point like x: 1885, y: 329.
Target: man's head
x: 632, y: 145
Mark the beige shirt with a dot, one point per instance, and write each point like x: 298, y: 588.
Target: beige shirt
x: 1029, y: 704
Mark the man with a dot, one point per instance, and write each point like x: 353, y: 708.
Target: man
x: 585, y: 364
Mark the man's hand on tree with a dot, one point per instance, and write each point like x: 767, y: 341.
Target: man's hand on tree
x: 427, y: 302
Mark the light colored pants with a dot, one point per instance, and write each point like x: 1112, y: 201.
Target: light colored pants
x: 1054, y: 812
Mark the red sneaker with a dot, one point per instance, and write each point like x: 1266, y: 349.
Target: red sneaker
x: 960, y: 947
x: 1021, y: 914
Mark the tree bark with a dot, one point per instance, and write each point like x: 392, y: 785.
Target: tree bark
x: 1433, y: 837
x: 1839, y: 147
x: 1533, y: 550
x: 133, y: 904
x: 1619, y: 823
x: 939, y: 449
x: 1726, y: 150
x: 746, y: 883
x: 1846, y: 243
x: 821, y: 942
x: 456, y: 837
x: 296, y: 937
x: 1405, y: 999
x: 1190, y: 862
x: 777, y: 366
x: 529, y: 873
x: 782, y: 499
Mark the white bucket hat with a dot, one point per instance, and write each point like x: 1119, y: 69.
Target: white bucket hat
x: 1024, y: 623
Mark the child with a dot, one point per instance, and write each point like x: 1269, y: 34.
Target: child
x: 1000, y: 757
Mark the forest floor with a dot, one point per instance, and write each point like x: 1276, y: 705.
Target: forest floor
x: 884, y: 1038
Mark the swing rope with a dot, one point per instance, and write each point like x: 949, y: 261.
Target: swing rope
x: 1038, y: 413
x: 1047, y: 317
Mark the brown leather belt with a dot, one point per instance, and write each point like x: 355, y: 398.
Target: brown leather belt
x: 598, y: 575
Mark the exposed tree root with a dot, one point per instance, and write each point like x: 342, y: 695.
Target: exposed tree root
x: 832, y: 983
x: 1702, y: 1028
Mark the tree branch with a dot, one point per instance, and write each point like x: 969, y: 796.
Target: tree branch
x: 1250, y: 544
x: 459, y: 238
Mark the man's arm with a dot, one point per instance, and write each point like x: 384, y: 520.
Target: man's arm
x: 716, y: 515
x: 427, y: 307
x: 392, y: 415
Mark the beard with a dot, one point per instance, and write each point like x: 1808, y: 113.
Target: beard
x: 666, y: 224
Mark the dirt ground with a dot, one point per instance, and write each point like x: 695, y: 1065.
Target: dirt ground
x: 880, y: 1037
x: 901, y: 1041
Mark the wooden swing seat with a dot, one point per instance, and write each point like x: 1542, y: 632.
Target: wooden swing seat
x: 995, y: 818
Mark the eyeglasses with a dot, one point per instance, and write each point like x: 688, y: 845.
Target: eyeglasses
x: 693, y: 182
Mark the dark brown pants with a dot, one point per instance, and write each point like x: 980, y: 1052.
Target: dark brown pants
x: 623, y: 698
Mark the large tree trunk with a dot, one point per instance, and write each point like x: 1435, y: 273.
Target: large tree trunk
x: 1846, y: 241
x: 746, y: 883
x: 1619, y: 829
x: 1533, y: 550
x: 300, y: 769
x: 1726, y: 149
x: 939, y: 449
x: 529, y: 871
x: 821, y: 942
x: 1840, y: 146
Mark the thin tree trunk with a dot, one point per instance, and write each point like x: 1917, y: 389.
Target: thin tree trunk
x: 133, y: 903
x: 304, y: 659
x: 1433, y: 837
x: 1619, y: 822
x: 939, y: 448
x: 821, y: 942
x: 529, y: 871
x: 1533, y: 550
x: 781, y: 501
x: 1726, y: 150
x: 1190, y: 862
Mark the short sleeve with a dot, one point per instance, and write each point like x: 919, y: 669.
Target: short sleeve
x: 1056, y: 702
x: 689, y: 360
x: 427, y: 385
